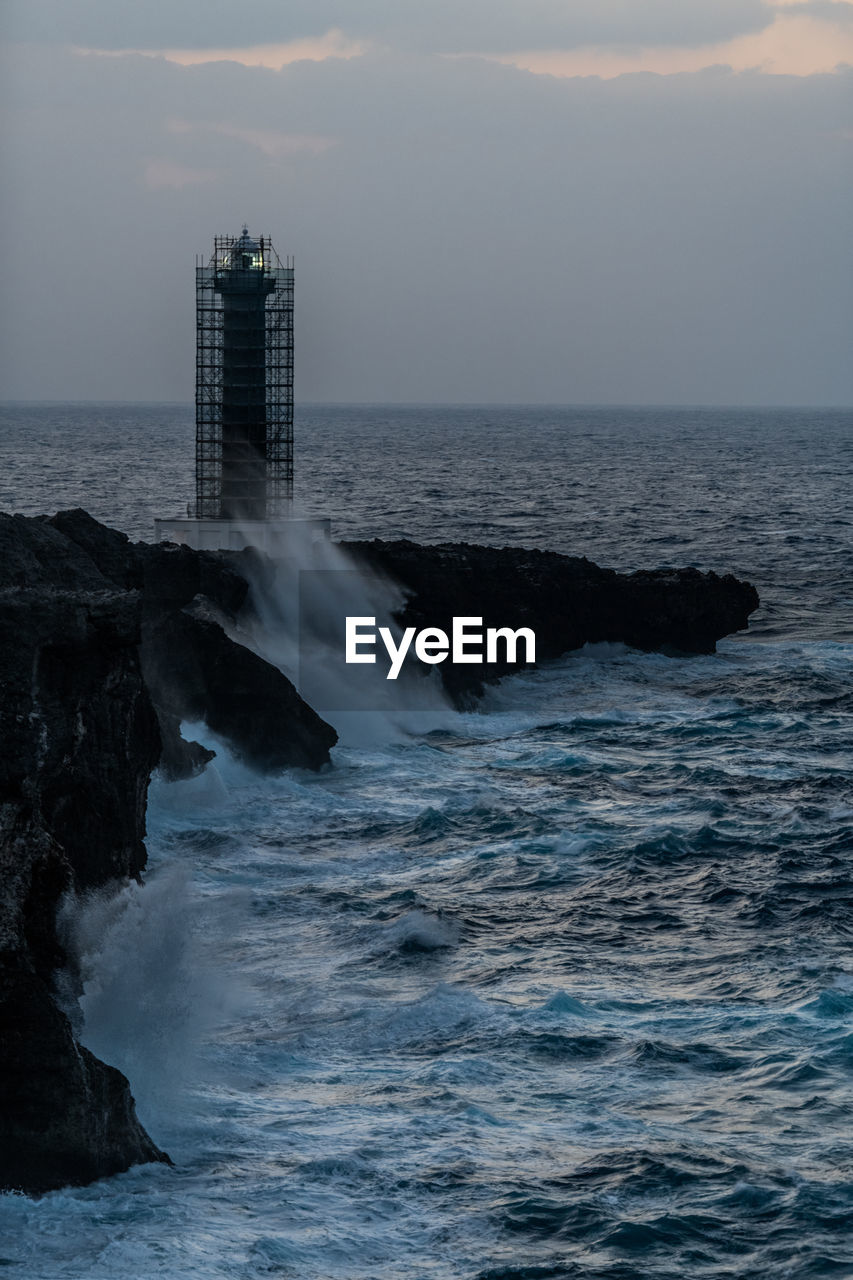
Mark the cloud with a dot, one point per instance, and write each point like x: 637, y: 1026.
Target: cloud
x: 333, y: 44
x: 556, y: 37
x: 795, y: 43
x: 442, y: 26
x: 839, y: 9
x: 475, y: 232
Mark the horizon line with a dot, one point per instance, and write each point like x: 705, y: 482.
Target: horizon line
x: 463, y: 404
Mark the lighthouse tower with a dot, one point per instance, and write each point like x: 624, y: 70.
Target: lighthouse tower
x: 241, y: 483
x: 243, y: 401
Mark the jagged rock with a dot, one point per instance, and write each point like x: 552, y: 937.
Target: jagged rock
x: 566, y: 600
x: 79, y: 733
x: 66, y: 1116
x: 192, y: 667
x: 179, y: 757
x: 32, y: 553
x: 168, y: 575
x: 79, y: 740
x: 110, y: 551
x: 272, y: 728
x: 79, y: 736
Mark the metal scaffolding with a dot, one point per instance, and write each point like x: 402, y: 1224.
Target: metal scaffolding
x: 244, y: 381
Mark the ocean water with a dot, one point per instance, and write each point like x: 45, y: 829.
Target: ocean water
x: 561, y: 988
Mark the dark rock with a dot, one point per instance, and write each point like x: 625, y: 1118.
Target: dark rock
x: 110, y: 551
x: 34, y: 554
x: 80, y: 739
x: 567, y: 601
x: 179, y: 758
x: 66, y: 1116
x: 207, y: 676
x: 83, y: 613
x: 272, y: 728
x: 168, y: 575
x: 173, y: 576
x: 192, y: 667
x: 79, y: 733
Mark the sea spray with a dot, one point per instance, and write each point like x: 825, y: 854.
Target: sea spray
x: 415, y: 932
x: 150, y: 988
x: 301, y: 598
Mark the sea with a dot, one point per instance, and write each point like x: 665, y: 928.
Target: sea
x: 560, y: 988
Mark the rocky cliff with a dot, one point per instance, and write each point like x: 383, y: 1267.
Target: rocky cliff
x: 105, y: 647
x: 80, y: 739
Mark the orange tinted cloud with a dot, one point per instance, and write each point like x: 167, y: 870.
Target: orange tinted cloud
x: 334, y: 44
x: 794, y: 44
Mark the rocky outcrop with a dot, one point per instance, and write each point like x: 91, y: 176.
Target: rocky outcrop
x: 67, y: 1117
x: 79, y: 739
x: 193, y: 669
x: 567, y: 601
x: 105, y: 646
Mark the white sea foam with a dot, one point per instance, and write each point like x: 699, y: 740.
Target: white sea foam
x: 152, y: 989
x: 300, y: 608
x: 417, y: 931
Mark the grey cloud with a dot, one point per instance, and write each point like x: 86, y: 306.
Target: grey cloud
x: 424, y: 25
x: 827, y: 9
x: 474, y: 233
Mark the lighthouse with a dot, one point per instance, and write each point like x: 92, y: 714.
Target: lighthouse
x: 241, y: 484
x: 243, y: 401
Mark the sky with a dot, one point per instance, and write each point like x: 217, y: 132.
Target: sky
x: 488, y: 201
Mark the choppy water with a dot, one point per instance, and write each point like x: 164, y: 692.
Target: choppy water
x: 559, y: 989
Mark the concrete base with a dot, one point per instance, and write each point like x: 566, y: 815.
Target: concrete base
x: 271, y: 536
